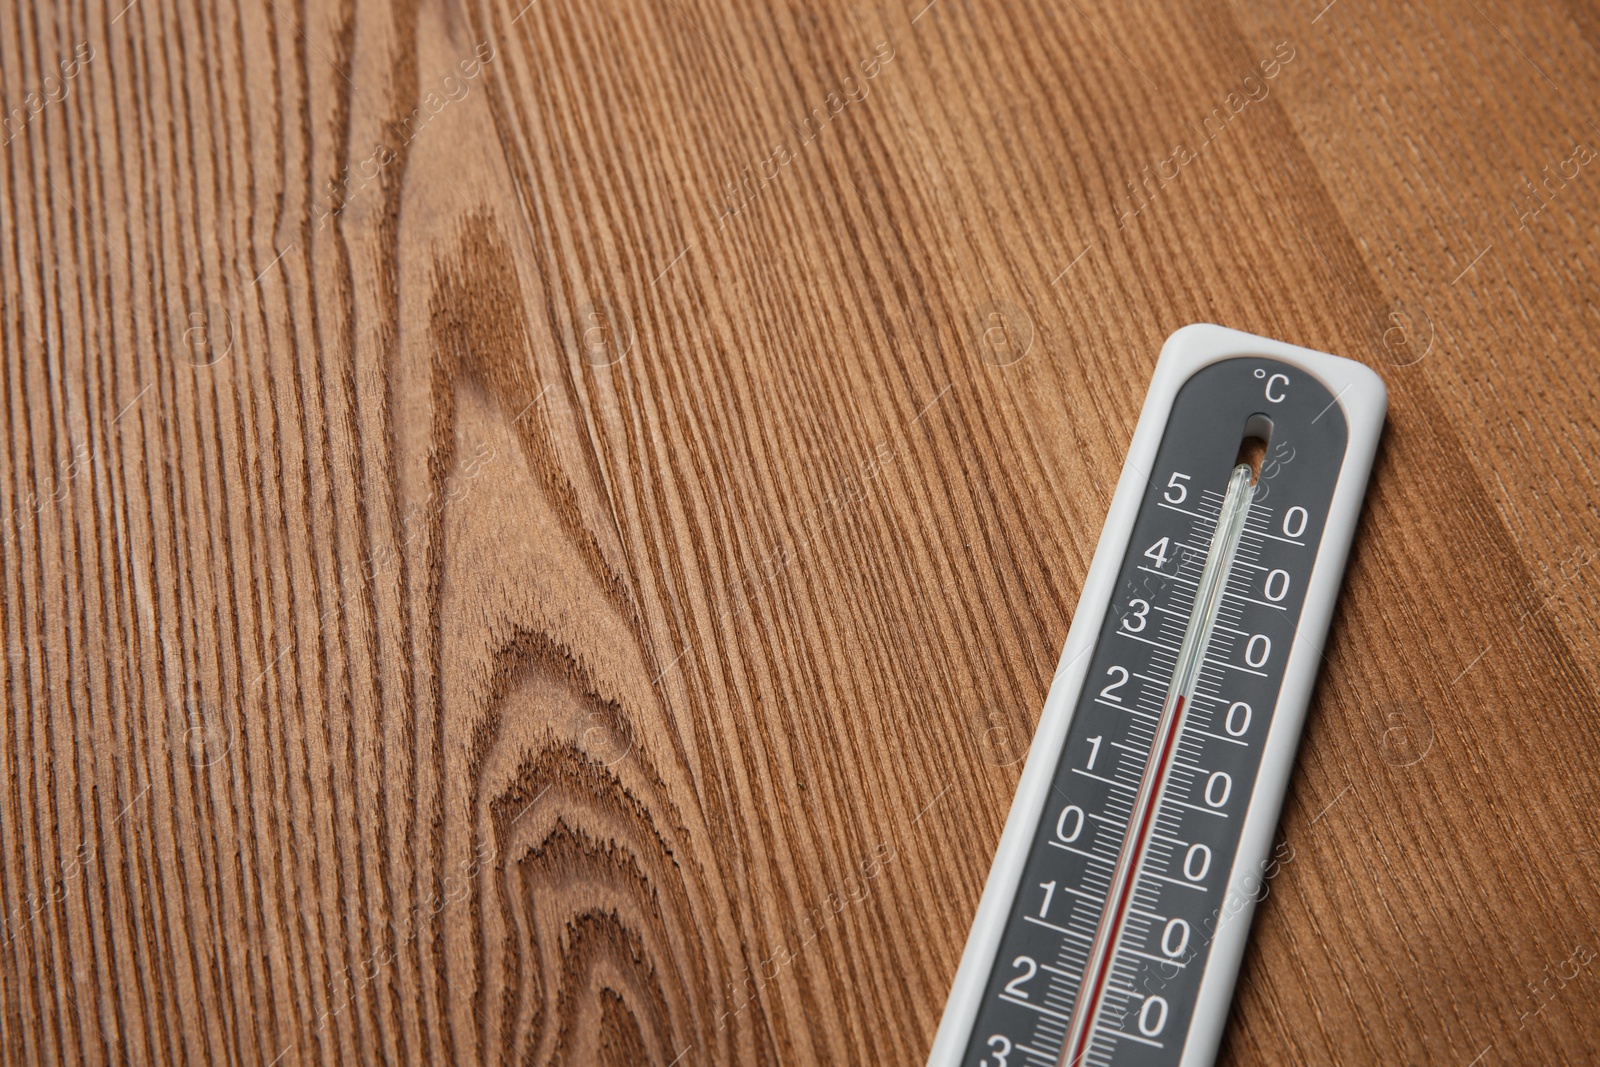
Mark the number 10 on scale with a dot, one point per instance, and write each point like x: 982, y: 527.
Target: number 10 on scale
x: 1161, y: 759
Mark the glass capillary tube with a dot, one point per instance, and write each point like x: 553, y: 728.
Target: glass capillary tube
x: 1185, y: 677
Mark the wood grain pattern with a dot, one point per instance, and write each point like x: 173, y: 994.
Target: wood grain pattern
x: 538, y: 534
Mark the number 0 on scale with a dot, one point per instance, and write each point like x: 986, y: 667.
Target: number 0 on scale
x: 1115, y: 915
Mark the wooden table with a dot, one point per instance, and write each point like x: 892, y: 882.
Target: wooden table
x: 539, y: 534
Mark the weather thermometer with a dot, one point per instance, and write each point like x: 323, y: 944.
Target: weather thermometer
x: 1113, y: 922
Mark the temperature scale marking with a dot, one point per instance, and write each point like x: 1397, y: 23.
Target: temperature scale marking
x: 1115, y: 916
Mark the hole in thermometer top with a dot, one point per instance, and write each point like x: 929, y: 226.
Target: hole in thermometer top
x: 1131, y: 869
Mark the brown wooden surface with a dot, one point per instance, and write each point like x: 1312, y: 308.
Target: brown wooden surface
x: 529, y: 598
